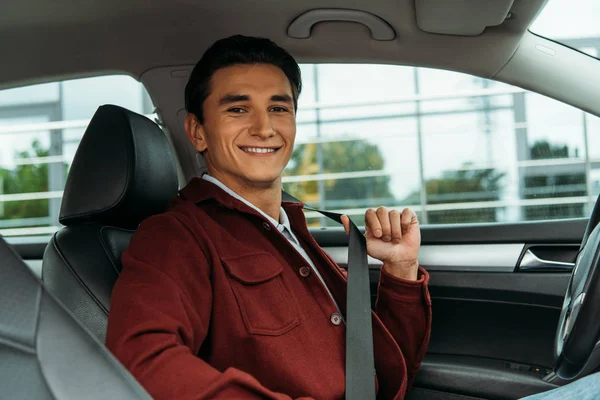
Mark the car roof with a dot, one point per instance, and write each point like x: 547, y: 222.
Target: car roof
x: 72, y: 38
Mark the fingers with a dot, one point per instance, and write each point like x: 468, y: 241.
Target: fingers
x: 346, y: 224
x: 383, y: 215
x: 396, y: 223
x: 372, y: 223
x: 389, y: 225
x: 408, y: 218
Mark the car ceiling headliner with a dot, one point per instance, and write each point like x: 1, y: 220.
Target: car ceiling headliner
x: 42, y: 40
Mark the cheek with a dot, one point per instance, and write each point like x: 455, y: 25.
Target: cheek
x: 287, y: 129
x: 289, y: 136
x: 227, y: 132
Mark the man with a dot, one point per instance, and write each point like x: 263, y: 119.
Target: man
x: 227, y: 295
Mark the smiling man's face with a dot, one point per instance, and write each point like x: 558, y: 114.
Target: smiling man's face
x: 249, y: 126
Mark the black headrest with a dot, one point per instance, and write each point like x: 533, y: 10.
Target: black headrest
x: 123, y: 171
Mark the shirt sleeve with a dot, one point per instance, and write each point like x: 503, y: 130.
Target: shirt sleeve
x: 404, y: 307
x: 159, y: 318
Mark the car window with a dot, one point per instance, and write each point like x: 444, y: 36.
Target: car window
x: 456, y: 148
x: 40, y: 129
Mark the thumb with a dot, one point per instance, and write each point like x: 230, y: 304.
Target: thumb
x: 346, y: 223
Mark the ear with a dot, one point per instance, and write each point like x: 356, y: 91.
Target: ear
x: 195, y: 132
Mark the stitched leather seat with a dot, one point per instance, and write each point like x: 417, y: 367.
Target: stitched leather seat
x: 122, y: 173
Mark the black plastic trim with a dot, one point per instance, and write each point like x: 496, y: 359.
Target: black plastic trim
x: 481, y: 377
x: 539, y: 289
x: 30, y: 251
x: 560, y: 231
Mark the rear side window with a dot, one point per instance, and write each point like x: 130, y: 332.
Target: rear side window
x: 40, y: 129
x: 456, y: 148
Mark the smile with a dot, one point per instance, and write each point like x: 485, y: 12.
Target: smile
x: 260, y: 150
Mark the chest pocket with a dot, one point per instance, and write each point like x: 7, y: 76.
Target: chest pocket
x: 266, y: 305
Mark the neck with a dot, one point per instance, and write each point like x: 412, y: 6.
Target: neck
x: 264, y: 196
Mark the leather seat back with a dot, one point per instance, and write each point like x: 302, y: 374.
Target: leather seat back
x: 44, y: 352
x: 81, y: 265
x: 122, y: 173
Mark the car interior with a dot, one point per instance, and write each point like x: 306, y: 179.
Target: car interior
x: 505, y: 295
x: 46, y: 352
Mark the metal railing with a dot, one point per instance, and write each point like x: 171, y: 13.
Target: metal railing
x: 14, y: 229
x: 413, y: 98
x: 477, y: 205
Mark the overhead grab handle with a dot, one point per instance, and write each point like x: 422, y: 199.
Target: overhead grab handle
x: 300, y: 28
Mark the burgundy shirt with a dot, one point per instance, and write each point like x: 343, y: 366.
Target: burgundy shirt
x: 213, y: 302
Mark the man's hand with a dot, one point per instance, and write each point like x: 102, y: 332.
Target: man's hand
x: 394, y: 238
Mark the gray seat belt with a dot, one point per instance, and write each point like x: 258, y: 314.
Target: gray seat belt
x: 360, y: 361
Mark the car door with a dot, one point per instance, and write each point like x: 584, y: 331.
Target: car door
x: 496, y: 297
x: 502, y: 194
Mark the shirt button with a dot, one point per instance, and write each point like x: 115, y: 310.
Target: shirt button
x: 336, y: 318
x: 304, y: 271
x: 266, y: 226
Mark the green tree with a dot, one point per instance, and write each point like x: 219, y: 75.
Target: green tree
x: 26, y: 178
x: 467, y: 185
x: 347, y: 156
x: 542, y: 149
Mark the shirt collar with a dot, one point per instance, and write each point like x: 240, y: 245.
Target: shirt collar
x: 283, y: 218
x: 199, y: 190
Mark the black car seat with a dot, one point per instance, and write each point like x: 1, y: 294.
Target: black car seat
x: 44, y: 352
x: 123, y: 172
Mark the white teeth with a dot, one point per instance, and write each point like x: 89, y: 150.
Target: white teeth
x: 258, y: 150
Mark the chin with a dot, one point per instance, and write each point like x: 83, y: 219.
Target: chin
x: 265, y: 180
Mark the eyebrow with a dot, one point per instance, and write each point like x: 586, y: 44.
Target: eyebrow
x: 284, y: 98
x: 235, y: 98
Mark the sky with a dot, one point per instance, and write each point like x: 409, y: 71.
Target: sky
x: 567, y: 19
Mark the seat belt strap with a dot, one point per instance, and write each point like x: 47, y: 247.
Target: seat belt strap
x: 360, y: 361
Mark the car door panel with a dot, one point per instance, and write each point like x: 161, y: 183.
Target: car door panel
x: 493, y: 323
x: 475, y: 377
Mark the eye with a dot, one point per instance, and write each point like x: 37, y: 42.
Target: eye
x: 236, y: 110
x: 278, y: 109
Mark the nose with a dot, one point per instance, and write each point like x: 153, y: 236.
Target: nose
x: 261, y: 125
